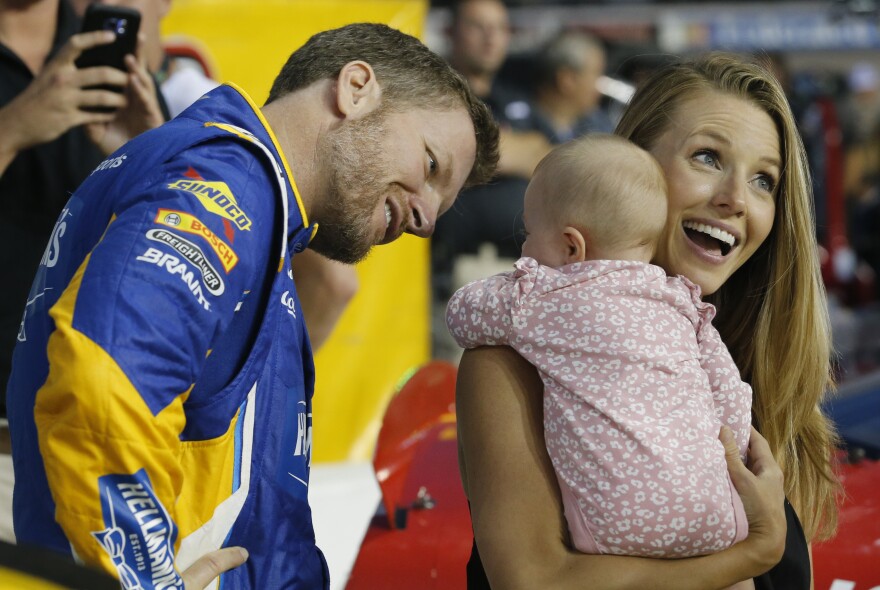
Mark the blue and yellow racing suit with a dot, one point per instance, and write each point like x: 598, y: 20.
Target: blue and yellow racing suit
x: 160, y: 398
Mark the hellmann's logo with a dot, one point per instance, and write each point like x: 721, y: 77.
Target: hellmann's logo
x: 138, y: 533
x: 217, y: 198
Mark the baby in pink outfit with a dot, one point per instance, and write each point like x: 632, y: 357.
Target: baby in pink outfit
x: 637, y: 382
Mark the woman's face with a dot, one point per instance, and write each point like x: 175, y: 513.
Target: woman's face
x: 722, y: 163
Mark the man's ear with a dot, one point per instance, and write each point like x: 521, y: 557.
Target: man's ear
x: 575, y: 245
x: 357, y: 90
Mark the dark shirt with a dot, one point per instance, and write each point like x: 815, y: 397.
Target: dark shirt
x: 596, y: 122
x: 791, y: 573
x: 33, y: 190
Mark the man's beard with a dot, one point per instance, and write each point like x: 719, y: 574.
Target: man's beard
x: 346, y: 231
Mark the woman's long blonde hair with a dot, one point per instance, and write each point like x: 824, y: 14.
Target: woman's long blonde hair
x: 772, y: 312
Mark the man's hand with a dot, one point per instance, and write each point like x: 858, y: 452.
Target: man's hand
x: 206, y: 568
x: 53, y: 103
x: 141, y: 111
x: 759, y: 483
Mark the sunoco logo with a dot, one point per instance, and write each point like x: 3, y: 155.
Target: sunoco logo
x: 139, y: 534
x: 194, y: 255
x: 217, y: 198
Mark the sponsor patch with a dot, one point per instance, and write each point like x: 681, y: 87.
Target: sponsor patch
x: 194, y: 255
x: 53, y: 248
x: 216, y: 197
x: 174, y: 266
x: 289, y: 303
x: 110, y: 163
x: 295, y: 459
x: 189, y: 223
x: 139, y: 534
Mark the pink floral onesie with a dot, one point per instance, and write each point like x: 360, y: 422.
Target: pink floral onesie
x: 637, y: 383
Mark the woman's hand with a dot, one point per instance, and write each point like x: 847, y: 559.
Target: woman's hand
x: 759, y: 483
x: 209, y: 566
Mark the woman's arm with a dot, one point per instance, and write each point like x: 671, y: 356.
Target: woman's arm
x: 517, y: 511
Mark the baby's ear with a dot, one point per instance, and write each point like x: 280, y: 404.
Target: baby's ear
x: 575, y: 245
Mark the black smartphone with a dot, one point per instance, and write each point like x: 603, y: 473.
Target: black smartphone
x: 124, y: 22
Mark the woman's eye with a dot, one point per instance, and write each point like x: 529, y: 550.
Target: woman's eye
x: 707, y: 157
x: 432, y: 164
x: 765, y: 183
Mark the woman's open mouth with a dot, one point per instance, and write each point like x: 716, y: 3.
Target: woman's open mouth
x: 713, y: 240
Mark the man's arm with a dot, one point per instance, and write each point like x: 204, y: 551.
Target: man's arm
x: 517, y: 510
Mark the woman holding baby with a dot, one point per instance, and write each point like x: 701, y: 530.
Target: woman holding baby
x: 725, y: 138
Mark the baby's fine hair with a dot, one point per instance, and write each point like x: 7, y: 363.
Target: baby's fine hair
x: 608, y: 186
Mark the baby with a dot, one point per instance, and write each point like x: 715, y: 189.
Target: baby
x: 637, y: 381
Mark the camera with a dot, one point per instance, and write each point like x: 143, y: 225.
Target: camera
x: 117, y: 25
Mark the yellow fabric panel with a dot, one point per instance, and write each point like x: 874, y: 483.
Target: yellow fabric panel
x: 385, y: 331
x: 91, y: 422
x: 205, y: 461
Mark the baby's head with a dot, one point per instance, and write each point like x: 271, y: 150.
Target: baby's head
x: 599, y: 197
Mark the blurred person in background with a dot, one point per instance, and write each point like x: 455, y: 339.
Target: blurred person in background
x: 860, y: 110
x: 48, y: 145
x: 480, y: 36
x: 566, y: 93
x: 860, y: 120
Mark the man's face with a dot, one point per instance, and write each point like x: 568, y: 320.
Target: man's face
x: 587, y: 80
x: 481, y: 37
x: 390, y: 173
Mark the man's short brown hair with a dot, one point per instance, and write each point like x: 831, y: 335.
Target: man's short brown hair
x: 410, y: 75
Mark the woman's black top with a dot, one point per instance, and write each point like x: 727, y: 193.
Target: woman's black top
x: 791, y: 573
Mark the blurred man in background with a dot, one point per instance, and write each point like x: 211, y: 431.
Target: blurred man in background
x: 48, y: 145
x: 566, y: 93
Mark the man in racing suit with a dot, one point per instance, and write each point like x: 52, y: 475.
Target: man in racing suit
x: 160, y: 399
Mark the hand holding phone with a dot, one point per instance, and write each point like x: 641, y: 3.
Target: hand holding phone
x: 122, y: 22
